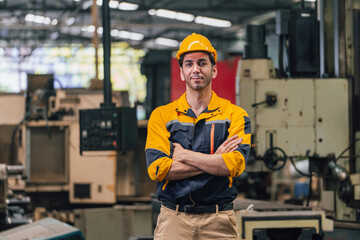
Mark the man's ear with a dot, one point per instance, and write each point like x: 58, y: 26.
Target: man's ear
x: 182, y: 75
x: 214, y: 71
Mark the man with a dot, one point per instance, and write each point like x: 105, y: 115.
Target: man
x: 195, y: 146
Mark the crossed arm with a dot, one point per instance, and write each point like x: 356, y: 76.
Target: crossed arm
x: 188, y: 163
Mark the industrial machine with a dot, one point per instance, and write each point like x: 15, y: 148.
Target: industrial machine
x: 298, y: 116
x: 13, y: 199
x: 50, y: 151
x: 47, y: 228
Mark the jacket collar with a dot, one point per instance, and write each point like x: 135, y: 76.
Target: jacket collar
x: 182, y: 106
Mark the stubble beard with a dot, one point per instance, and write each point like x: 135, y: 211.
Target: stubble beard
x: 201, y: 86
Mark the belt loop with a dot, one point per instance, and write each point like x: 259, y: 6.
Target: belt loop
x: 217, y: 209
x: 177, y: 209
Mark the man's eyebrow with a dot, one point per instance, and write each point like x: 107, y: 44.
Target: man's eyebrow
x: 197, y: 60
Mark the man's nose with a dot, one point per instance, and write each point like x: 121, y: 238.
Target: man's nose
x: 195, y: 68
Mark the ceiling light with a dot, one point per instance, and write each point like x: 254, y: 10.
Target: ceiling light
x: 128, y: 6
x: 91, y: 28
x: 172, y: 14
x: 100, y: 30
x: 38, y: 19
x: 167, y: 42
x: 86, y: 5
x: 152, y: 12
x: 54, y: 35
x: 29, y: 17
x: 186, y: 17
x: 124, y: 34
x: 98, y: 2
x: 113, y: 4
x: 47, y: 20
x: 131, y: 35
x: 70, y: 21
x: 114, y: 32
x: 166, y: 13
x: 136, y: 36
x: 54, y: 22
x: 212, y: 22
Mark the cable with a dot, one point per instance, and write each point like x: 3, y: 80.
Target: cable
x: 342, y: 153
x: 310, y: 190
x: 59, y: 82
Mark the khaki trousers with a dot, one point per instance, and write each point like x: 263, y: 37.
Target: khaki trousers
x: 172, y: 225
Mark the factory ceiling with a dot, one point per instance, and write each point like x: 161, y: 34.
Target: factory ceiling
x: 141, y: 23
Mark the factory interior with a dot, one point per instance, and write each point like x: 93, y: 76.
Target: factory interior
x: 80, y: 78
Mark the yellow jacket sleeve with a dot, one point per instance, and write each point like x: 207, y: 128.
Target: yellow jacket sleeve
x: 158, y: 149
x: 240, y: 125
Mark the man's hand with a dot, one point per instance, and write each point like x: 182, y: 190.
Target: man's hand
x: 230, y: 145
x: 179, y: 152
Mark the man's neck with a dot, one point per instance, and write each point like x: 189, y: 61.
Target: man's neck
x: 198, y: 100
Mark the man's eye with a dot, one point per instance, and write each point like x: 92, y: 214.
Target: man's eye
x: 201, y: 64
x: 188, y: 64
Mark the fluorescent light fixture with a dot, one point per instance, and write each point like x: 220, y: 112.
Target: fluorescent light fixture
x: 136, y: 36
x: 114, y: 32
x: 113, y: 4
x: 310, y: 0
x: 128, y: 6
x: 86, y: 5
x: 124, y: 34
x: 212, y: 22
x: 305, y: 14
x: 29, y: 17
x: 152, y: 12
x: 131, y: 35
x: 186, y: 17
x: 91, y: 28
x: 70, y: 21
x: 166, y: 13
x: 54, y: 22
x: 167, y: 42
x: 46, y: 21
x: 54, y: 35
x: 38, y: 19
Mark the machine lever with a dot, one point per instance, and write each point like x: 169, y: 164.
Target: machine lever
x: 270, y: 100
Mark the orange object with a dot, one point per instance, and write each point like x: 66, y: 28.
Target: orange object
x: 212, y: 138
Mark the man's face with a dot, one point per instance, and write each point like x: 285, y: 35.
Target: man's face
x: 197, y: 70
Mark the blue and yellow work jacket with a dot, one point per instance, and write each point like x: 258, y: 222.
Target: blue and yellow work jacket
x: 177, y: 123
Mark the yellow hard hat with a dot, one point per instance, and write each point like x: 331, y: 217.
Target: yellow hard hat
x: 196, y: 42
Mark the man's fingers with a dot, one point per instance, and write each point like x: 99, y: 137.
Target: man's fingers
x: 229, y: 140
x: 233, y: 144
x: 176, y: 145
x: 234, y: 148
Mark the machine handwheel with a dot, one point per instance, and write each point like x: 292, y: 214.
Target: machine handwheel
x: 275, y: 158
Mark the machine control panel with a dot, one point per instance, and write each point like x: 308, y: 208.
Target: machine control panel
x: 105, y: 128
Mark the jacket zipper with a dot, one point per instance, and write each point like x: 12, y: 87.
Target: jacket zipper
x: 212, y: 138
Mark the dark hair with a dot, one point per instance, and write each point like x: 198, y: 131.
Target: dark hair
x: 211, y: 57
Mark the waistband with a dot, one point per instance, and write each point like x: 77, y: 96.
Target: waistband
x: 192, y: 209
